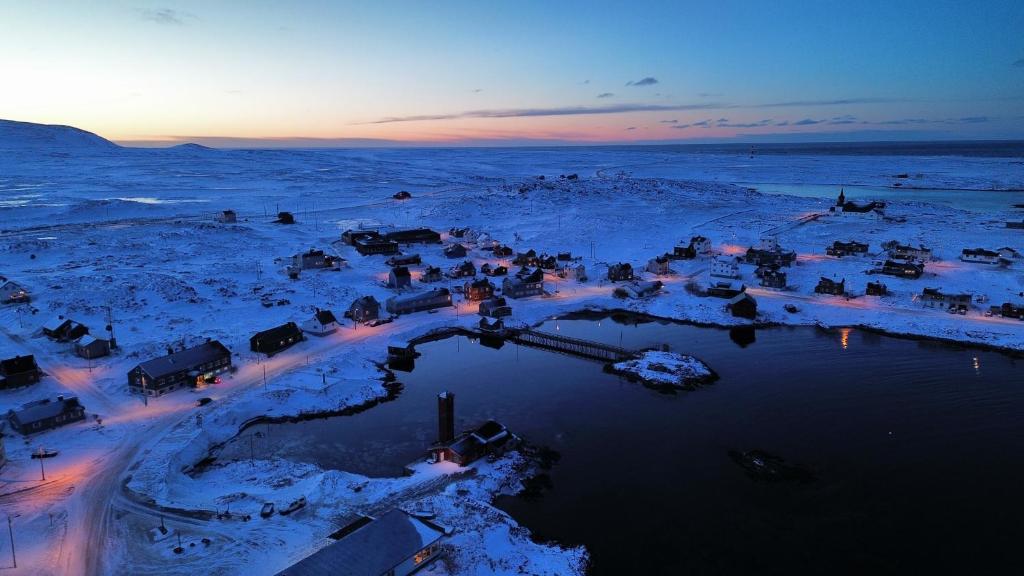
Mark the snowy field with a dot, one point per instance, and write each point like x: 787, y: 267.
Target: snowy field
x: 89, y: 228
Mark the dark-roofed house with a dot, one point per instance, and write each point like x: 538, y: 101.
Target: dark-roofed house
x: 773, y: 278
x: 840, y: 249
x: 12, y: 292
x: 368, y: 242
x: 414, y: 236
x: 455, y: 251
x: 394, y: 544
x: 495, y: 308
x: 276, y: 339
x: 528, y: 258
x: 364, y: 309
x: 417, y: 301
x: 489, y: 438
x: 725, y: 289
x: 19, y: 371
x: 399, y: 278
x: 89, y: 346
x: 478, y: 290
x: 404, y: 260
x: 312, y: 259
x: 640, y: 289
x: 46, y: 414
x: 620, y: 272
x: 902, y: 269
x: 829, y: 286
x: 742, y: 306
x: 187, y: 367
x: 322, y: 323
x: 907, y: 252
x: 531, y: 284
x: 933, y: 296
x: 464, y: 270
x: 64, y: 329
x: 432, y: 274
x: 700, y: 245
x: 980, y: 255
x: 876, y: 289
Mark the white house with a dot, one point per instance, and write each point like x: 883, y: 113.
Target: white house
x: 725, y: 267
x: 1008, y: 253
x: 701, y: 245
x: 658, y: 265
x: 321, y: 324
x: 979, y: 255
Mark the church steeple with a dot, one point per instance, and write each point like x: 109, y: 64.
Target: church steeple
x: 842, y: 198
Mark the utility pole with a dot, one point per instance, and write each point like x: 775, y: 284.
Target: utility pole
x: 42, y: 470
x: 252, y: 451
x: 10, y: 530
x: 264, y: 376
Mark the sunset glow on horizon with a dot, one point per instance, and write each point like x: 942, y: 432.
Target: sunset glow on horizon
x: 348, y: 73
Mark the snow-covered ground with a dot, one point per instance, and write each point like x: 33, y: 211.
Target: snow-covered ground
x: 89, y: 228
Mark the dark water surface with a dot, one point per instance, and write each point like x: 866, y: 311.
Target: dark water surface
x: 918, y: 449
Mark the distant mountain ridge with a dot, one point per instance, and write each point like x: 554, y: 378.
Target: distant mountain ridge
x: 50, y: 138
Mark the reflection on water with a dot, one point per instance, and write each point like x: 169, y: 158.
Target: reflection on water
x: 914, y: 451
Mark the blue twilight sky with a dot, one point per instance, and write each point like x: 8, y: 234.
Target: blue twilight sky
x: 516, y: 72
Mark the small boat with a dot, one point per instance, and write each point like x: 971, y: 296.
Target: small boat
x: 268, y: 510
x: 295, y: 505
x: 41, y: 453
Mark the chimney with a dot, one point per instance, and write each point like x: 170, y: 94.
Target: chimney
x: 445, y: 417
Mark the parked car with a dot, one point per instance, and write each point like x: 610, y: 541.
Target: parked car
x: 44, y: 453
x: 203, y: 401
x: 267, y: 510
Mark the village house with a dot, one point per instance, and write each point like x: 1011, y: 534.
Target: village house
x: 502, y: 251
x: 399, y: 278
x: 1011, y: 310
x: 742, y: 306
x: 187, y: 367
x: 464, y: 449
x: 478, y: 290
x: 64, y: 329
x: 12, y: 292
x: 322, y: 323
x: 312, y: 259
x: 547, y: 262
x: 876, y: 289
x: 227, y: 217
x: 725, y: 289
x: 658, y: 265
x: 404, y: 260
x: 402, y: 195
x: 846, y: 208
x: 1008, y: 253
x: 769, y: 244
x: 700, y: 245
x: 495, y: 308
x: 491, y: 325
x: 418, y: 301
x: 394, y: 544
x: 364, y: 309
x: 414, y: 236
x: 684, y: 253
x: 528, y: 258
x: 487, y: 270
x: 46, y: 414
x: 90, y: 347
x: 935, y: 297
x: 725, y: 267
x: 455, y: 251
x: 464, y: 270
x: 577, y: 272
x: 840, y: 249
x: 564, y: 256
x: 980, y: 255
x: 19, y: 371
x: 830, y: 286
x: 276, y: 339
x: 1013, y: 224
x: 369, y: 242
x: 620, y: 272
x: 432, y: 274
x: 524, y: 287
x: 774, y: 257
x: 911, y: 270
x: 899, y: 251
x: 637, y: 290
x: 773, y: 278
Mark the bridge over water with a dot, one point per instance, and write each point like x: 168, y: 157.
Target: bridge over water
x: 573, y: 346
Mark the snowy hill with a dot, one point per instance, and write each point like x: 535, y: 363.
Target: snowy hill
x: 48, y: 138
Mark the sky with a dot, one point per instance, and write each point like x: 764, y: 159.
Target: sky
x: 509, y: 73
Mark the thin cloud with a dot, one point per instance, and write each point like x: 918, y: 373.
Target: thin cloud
x: 673, y: 121
x: 837, y: 102
x: 559, y: 111
x: 605, y: 95
x: 631, y: 128
x: 477, y: 90
x: 646, y: 81
x: 806, y: 122
x: 168, y: 17
x: 1019, y: 63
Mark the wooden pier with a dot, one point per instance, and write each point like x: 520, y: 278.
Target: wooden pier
x: 573, y: 346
